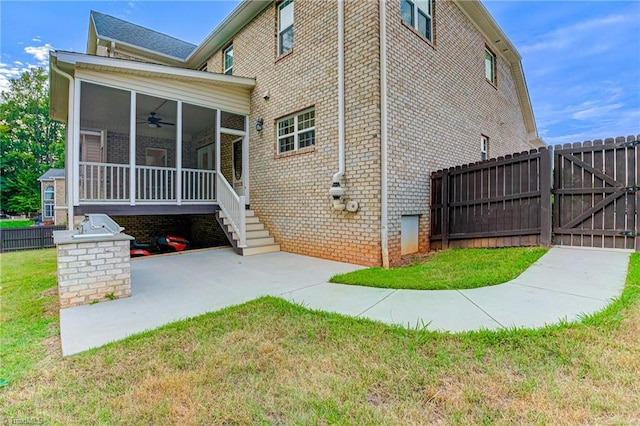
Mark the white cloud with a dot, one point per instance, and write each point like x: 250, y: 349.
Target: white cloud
x: 41, y: 53
x: 36, y: 38
x: 7, y: 73
x: 18, y: 63
x: 595, y: 112
x: 576, y: 33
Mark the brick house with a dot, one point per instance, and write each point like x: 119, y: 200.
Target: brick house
x: 53, y: 197
x: 326, y: 118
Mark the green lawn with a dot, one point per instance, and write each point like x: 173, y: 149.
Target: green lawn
x: 272, y: 362
x: 449, y: 270
x: 15, y: 223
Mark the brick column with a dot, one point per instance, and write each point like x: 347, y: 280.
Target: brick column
x: 92, y: 269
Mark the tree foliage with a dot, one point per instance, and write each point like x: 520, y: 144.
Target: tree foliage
x: 30, y: 141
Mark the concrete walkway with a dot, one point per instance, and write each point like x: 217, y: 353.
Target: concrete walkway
x: 563, y: 285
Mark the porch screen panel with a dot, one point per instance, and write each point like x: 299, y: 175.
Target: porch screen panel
x: 198, y: 154
x: 104, y: 144
x: 155, y: 149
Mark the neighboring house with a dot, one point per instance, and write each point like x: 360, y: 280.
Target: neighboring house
x: 300, y: 97
x: 53, y: 197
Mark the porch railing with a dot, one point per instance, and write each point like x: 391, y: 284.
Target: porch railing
x: 104, y: 182
x: 198, y: 185
x: 155, y: 183
x: 107, y: 182
x: 233, y: 207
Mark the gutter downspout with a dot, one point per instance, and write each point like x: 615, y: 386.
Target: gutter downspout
x: 336, y: 191
x: 384, y: 202
x: 70, y: 178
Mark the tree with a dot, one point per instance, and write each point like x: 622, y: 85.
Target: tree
x: 30, y: 141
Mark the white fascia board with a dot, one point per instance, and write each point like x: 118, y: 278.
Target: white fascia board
x: 233, y: 23
x: 142, y: 49
x: 80, y: 60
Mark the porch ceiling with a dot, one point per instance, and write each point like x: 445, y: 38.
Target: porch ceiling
x: 225, y: 92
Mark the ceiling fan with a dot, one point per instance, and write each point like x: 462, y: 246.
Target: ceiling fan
x: 155, y: 122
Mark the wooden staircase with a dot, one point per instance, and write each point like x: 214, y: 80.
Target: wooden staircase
x: 259, y: 240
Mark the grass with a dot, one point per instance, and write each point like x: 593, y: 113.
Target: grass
x: 452, y: 269
x: 15, y: 223
x: 272, y: 362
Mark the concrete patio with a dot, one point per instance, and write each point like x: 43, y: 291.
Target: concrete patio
x: 564, y: 284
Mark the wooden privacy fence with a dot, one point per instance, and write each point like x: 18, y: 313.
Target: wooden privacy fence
x: 500, y: 202
x: 512, y: 201
x: 14, y: 239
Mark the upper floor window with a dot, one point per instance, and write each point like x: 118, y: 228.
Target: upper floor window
x: 285, y: 26
x: 228, y: 60
x: 419, y: 14
x: 490, y: 65
x: 48, y: 193
x: 297, y: 131
x: 484, y: 148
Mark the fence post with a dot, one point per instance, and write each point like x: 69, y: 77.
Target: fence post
x: 545, y: 196
x: 445, y: 209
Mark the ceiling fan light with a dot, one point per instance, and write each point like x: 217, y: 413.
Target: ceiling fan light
x: 152, y: 125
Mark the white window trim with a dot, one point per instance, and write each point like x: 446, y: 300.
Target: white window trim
x: 281, y: 6
x: 52, y: 192
x: 296, y: 132
x: 227, y: 70
x: 491, y: 79
x: 415, y: 11
x: 484, y: 148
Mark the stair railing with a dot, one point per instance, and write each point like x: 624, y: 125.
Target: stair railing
x: 233, y: 207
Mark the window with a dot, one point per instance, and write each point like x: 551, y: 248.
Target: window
x: 490, y: 66
x: 48, y: 201
x: 155, y: 157
x: 228, y: 60
x: 285, y: 26
x: 419, y: 15
x: 484, y: 148
x: 48, y: 193
x: 297, y: 131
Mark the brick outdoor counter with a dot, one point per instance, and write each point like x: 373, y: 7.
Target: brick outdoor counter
x: 92, y: 267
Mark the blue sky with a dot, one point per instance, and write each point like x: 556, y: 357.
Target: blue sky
x: 581, y: 58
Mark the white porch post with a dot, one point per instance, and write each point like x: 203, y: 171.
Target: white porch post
x: 217, y: 148
x: 179, y: 153
x: 76, y: 146
x: 245, y: 159
x: 132, y: 150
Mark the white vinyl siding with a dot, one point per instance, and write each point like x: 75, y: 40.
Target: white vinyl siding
x: 296, y: 131
x: 215, y: 96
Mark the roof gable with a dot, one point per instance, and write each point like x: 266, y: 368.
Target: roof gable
x: 114, y: 29
x: 52, y: 174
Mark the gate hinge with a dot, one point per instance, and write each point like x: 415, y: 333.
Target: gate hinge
x: 631, y: 189
x: 631, y: 234
x: 630, y: 144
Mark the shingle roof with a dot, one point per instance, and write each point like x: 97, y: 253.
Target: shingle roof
x: 52, y: 174
x: 116, y: 29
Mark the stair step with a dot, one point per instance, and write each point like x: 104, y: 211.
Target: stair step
x: 248, y: 220
x: 247, y: 213
x: 269, y: 248
x: 261, y: 233
x: 253, y: 242
x: 255, y: 227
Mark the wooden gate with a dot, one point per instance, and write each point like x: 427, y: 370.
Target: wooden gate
x: 596, y: 194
